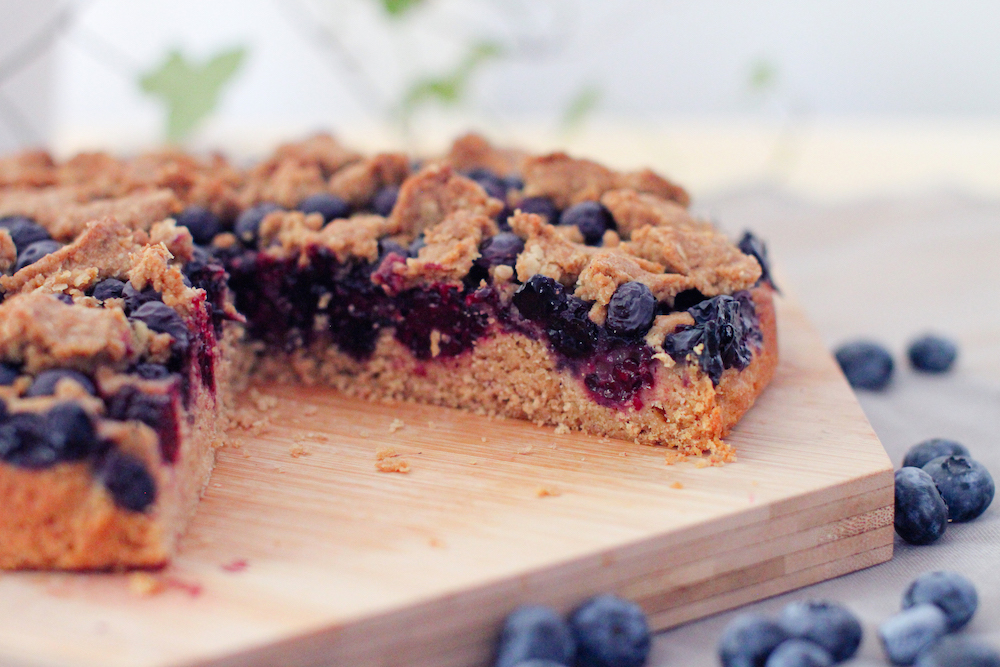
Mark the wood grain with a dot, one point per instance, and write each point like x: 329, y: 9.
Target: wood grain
x: 319, y: 559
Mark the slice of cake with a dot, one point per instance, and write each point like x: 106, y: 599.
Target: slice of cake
x: 543, y: 288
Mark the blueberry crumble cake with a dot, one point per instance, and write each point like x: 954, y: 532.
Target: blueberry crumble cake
x: 137, y: 294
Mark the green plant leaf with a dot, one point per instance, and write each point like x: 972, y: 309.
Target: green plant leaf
x: 763, y: 76
x: 450, y: 88
x: 189, y: 90
x: 398, y: 7
x: 580, y: 106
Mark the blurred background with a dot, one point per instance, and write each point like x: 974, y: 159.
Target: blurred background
x: 821, y: 98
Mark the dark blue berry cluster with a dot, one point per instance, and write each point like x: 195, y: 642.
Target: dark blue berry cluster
x: 934, y: 605
x: 939, y: 483
x: 809, y: 633
x: 605, y: 631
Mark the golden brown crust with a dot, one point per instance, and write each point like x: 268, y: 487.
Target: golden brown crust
x: 357, y: 183
x: 432, y: 194
x: 472, y: 151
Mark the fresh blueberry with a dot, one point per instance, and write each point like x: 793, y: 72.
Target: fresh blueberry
x: 23, y: 231
x: 248, y: 222
x: 25, y: 441
x: 134, y: 298
x: 151, y: 371
x: 631, y: 310
x: 867, y: 365
x: 912, y: 630
x: 610, y: 632
x: 385, y: 200
x: 161, y: 318
x: 8, y: 374
x: 932, y: 354
x: 539, y: 298
x: 331, y: 207
x: 799, y: 653
x: 921, y: 513
x: 955, y: 594
x: 753, y: 246
x: 35, y: 252
x: 591, y: 218
x: 45, y: 382
x: 748, y: 640
x: 828, y: 624
x: 542, y: 206
x: 202, y: 223
x: 959, y: 651
x: 71, y: 432
x: 502, y: 248
x: 965, y: 484
x: 128, y: 481
x: 111, y: 288
x: 534, y: 632
x: 922, y: 453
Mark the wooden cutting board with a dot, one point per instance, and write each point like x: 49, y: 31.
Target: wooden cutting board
x: 302, y: 553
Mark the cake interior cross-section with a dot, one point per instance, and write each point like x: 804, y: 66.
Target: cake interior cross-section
x: 139, y: 294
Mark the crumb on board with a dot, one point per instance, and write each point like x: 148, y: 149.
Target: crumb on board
x: 387, y: 460
x: 145, y: 584
x: 702, y: 463
x: 436, y: 542
x: 365, y: 433
x: 525, y: 450
x: 676, y: 485
x: 263, y: 402
x: 562, y: 429
x: 623, y: 453
x: 298, y: 450
x: 674, y: 457
x: 396, y: 425
x: 483, y: 439
x: 547, y: 491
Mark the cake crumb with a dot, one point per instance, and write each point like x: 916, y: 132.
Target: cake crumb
x: 145, y: 584
x: 436, y: 543
x: 483, y: 439
x: 298, y: 450
x: 547, y: 491
x: 622, y: 454
x: 674, y: 457
x: 562, y: 429
x: 387, y: 460
x: 525, y: 450
x: 702, y: 463
x: 396, y: 425
x: 676, y: 485
x: 365, y: 433
x: 263, y: 402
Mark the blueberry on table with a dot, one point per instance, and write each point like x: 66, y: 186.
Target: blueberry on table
x: 749, y: 640
x: 828, y: 624
x: 921, y: 513
x: 932, y: 354
x: 591, y: 218
x: 35, y: 252
x: 905, y: 635
x: 23, y: 231
x: 385, y: 200
x: 202, y: 223
x: 924, y: 452
x: 71, y: 431
x: 953, y: 593
x: 128, y: 481
x: 248, y: 223
x: 161, y: 318
x: 331, y: 207
x: 959, y: 651
x: 964, y: 483
x: 799, y: 653
x: 542, y: 206
x: 610, y: 632
x: 45, y: 382
x: 631, y: 310
x: 110, y: 288
x: 535, y: 633
x: 867, y: 365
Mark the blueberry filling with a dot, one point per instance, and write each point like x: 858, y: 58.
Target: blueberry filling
x: 45, y: 382
x: 725, y: 334
x: 23, y: 231
x: 134, y: 298
x: 155, y: 410
x: 248, y: 223
x: 591, y: 218
x: 35, y: 252
x: 631, y: 310
x: 331, y: 207
x: 111, y: 288
x: 385, y: 200
x: 126, y: 478
x: 542, y: 206
x: 32, y: 440
x: 161, y: 318
x: 202, y: 223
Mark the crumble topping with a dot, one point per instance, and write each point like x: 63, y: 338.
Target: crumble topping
x: 546, y: 251
x: 452, y: 247
x: 472, y: 151
x: 434, y: 193
x: 8, y: 251
x: 30, y: 169
x: 177, y: 240
x: 151, y: 266
x: 357, y: 183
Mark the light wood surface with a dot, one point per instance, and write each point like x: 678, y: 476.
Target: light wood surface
x: 319, y: 559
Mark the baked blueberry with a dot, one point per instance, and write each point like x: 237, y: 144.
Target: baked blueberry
x: 45, y: 382
x: 385, y: 200
x: 25, y: 441
x: 23, y: 231
x: 955, y: 594
x: 386, y: 246
x: 749, y: 640
x: 921, y: 513
x: 161, y: 318
x: 331, y: 207
x: 416, y: 245
x: 128, y: 481
x: 905, y: 635
x: 828, y: 624
x: 799, y: 653
x: 570, y: 329
x: 35, y: 252
x: 959, y: 651
x: 753, y: 246
x: 922, y: 453
x: 542, y: 206
x: 965, y: 484
x: 502, y: 248
x: 151, y: 371
x: 494, y: 185
x: 110, y: 288
x: 65, y: 298
x: 539, y: 298
x: 513, y: 182
x: 535, y: 633
x: 591, y: 218
x: 8, y: 374
x: 248, y: 222
x: 932, y: 354
x: 725, y: 334
x: 610, y: 632
x: 867, y: 365
x: 202, y: 223
x: 134, y: 298
x: 71, y: 432
x: 631, y: 310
